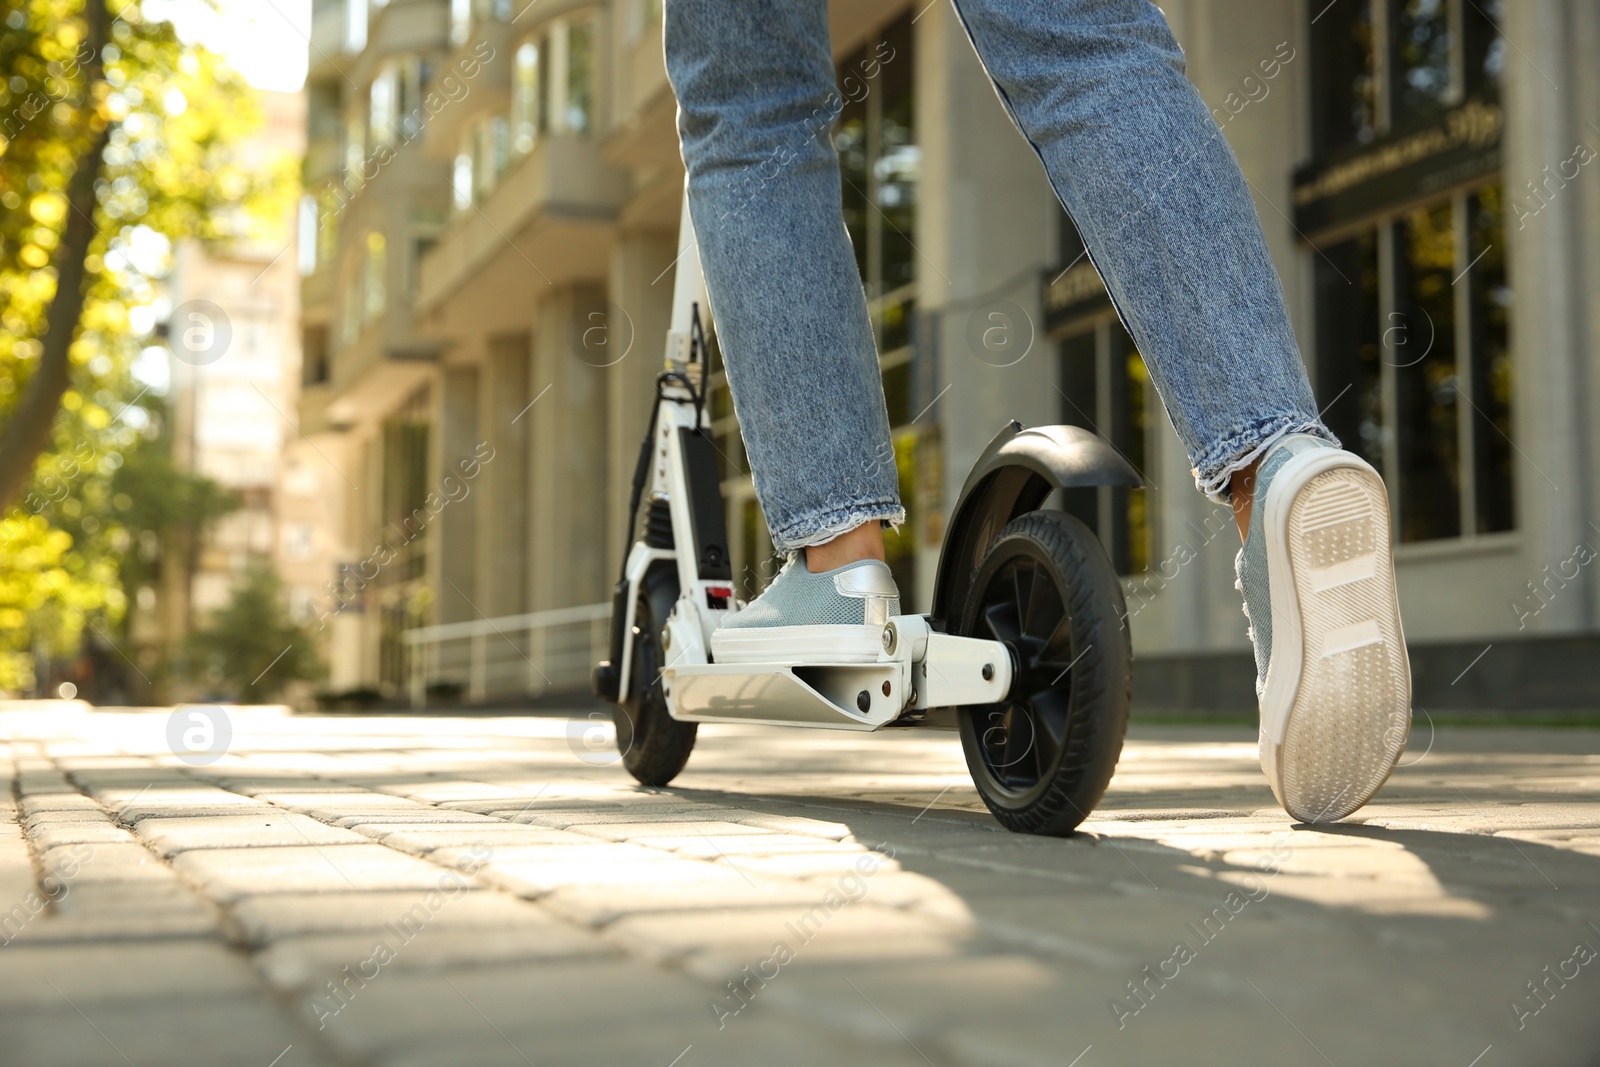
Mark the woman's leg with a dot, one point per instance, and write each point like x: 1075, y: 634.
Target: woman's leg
x: 756, y: 104
x: 1098, y: 89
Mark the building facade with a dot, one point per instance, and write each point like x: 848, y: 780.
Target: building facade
x: 233, y: 335
x: 493, y: 192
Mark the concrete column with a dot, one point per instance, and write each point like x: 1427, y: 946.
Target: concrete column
x: 1553, y: 329
x: 568, y: 471
x: 502, y: 578
x: 638, y: 316
x: 453, y: 548
x: 1584, y: 41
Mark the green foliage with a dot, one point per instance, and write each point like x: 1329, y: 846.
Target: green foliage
x: 176, y: 114
x: 252, y: 647
x: 47, y: 593
x: 163, y: 508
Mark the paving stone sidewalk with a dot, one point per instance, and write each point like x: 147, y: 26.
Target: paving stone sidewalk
x: 412, y: 890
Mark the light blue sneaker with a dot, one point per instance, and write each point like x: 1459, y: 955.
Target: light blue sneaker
x: 1332, y: 676
x: 835, y: 616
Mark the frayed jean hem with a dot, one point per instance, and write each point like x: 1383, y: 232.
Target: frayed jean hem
x: 831, y: 524
x: 1214, y: 475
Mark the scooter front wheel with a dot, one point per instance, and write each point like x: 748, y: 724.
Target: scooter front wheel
x: 1042, y: 758
x: 654, y: 745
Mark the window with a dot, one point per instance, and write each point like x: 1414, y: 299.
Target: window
x: 328, y: 226
x: 375, y: 286
x: 393, y: 101
x: 1412, y: 302
x: 313, y: 354
x: 556, y: 79
x: 880, y: 164
x: 306, y: 235
x: 1105, y: 388
x: 460, y: 21
x: 1413, y: 329
x: 419, y: 251
x: 461, y: 179
x: 384, y: 104
x: 578, y: 109
x: 401, y: 593
x: 526, y: 121
x: 355, y: 25
x: 409, y: 92
x: 1344, y: 82
x: 1488, y: 346
x: 355, y: 149
x: 1382, y: 66
x: 490, y: 145
x: 553, y: 81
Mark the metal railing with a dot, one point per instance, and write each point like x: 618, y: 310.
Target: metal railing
x: 511, y: 655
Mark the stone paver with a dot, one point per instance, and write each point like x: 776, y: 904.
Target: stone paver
x: 418, y: 891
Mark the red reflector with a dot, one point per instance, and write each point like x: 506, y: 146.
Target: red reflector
x: 719, y: 590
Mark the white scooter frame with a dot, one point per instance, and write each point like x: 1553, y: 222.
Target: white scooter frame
x: 976, y: 645
x: 917, y: 668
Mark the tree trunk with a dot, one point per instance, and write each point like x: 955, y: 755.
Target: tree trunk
x: 29, y: 431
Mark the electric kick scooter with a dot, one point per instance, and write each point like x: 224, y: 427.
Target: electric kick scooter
x: 1025, y: 652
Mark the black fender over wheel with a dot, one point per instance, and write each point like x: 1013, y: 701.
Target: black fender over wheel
x: 654, y: 745
x: 1042, y: 758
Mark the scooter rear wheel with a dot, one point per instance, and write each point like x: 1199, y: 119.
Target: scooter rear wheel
x: 654, y: 745
x: 1042, y: 758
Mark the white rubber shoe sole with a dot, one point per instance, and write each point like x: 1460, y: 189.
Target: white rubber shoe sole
x: 832, y: 643
x: 1336, y: 708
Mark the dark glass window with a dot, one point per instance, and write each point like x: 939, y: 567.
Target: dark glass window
x: 1103, y: 352
x: 1484, y: 58
x: 1490, y: 360
x: 897, y: 393
x: 1442, y: 347
x: 1344, y: 75
x: 879, y: 166
x: 898, y: 159
x: 1129, y: 416
x: 1438, y: 53
x: 1079, y: 377
x: 1413, y: 309
x: 1422, y: 87
x: 850, y: 141
x: 1347, y: 323
x: 1420, y: 341
x: 401, y: 598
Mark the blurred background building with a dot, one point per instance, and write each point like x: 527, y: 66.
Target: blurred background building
x: 235, y: 418
x: 489, y: 233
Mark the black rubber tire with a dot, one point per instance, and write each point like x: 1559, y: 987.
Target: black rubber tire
x: 1042, y: 758
x: 654, y: 745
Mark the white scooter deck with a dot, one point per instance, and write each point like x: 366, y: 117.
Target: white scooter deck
x: 917, y: 670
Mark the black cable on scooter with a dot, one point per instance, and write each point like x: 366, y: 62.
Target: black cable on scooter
x: 697, y: 343
x: 641, y: 470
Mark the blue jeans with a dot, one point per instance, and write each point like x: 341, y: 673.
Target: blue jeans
x: 1098, y: 89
